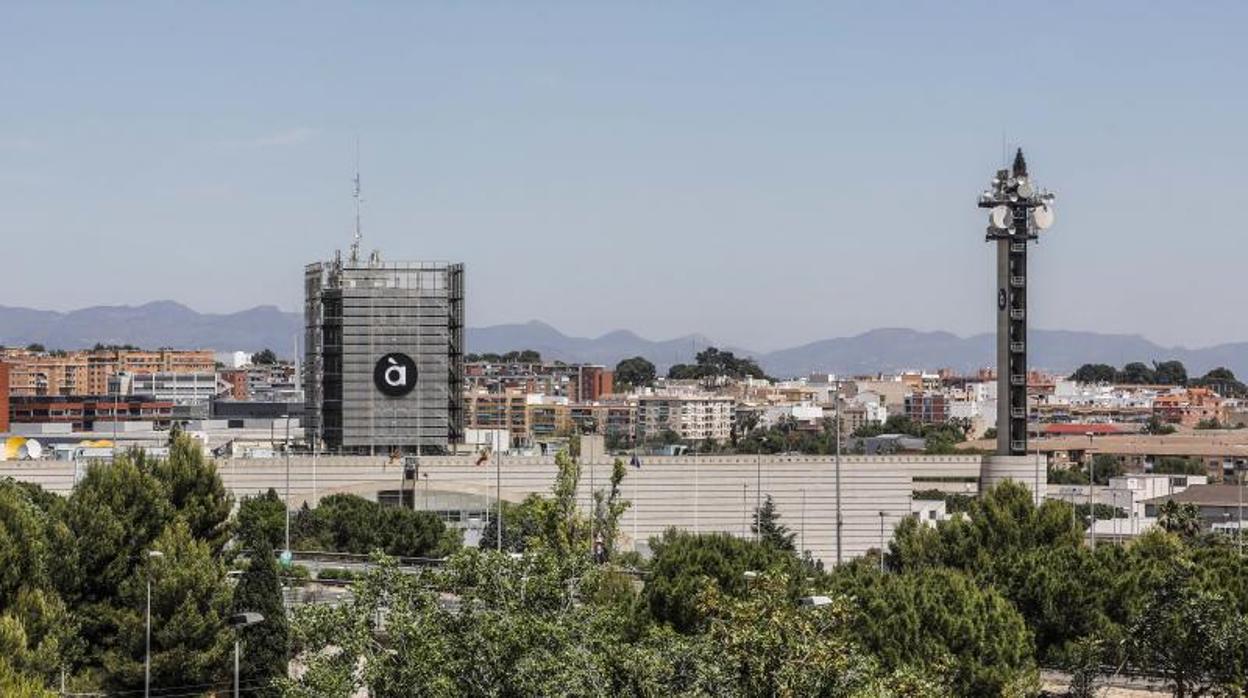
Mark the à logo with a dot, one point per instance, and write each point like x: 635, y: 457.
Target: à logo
x: 395, y: 374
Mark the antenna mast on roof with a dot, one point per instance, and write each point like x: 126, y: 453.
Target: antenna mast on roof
x: 355, y: 241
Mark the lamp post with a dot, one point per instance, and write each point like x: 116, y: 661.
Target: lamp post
x: 147, y: 652
x: 758, y: 486
x: 238, y: 621
x: 802, y: 544
x: 498, y: 494
x: 836, y: 402
x: 286, y: 448
x: 881, y: 542
x: 1091, y: 486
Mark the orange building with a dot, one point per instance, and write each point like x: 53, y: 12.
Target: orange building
x: 592, y: 382
x: 88, y: 372
x: 1188, y: 407
x: 4, y: 397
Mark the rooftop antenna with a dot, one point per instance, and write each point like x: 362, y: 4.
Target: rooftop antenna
x: 355, y: 241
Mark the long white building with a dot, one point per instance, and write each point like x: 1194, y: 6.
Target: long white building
x: 701, y: 493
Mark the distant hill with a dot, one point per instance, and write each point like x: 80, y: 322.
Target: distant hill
x: 151, y: 325
x: 166, y: 323
x: 608, y: 349
x: 1057, y: 350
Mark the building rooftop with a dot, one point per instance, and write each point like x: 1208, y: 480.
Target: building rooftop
x: 1204, y: 495
x: 1213, y: 442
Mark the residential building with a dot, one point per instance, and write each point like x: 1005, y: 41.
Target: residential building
x: 691, y: 418
x: 592, y: 383
x: 489, y: 411
x: 927, y: 407
x: 236, y: 379
x: 1218, y: 504
x: 4, y: 397
x: 1137, y: 488
x: 88, y: 372
x: 1188, y: 407
x: 178, y: 388
x: 84, y: 411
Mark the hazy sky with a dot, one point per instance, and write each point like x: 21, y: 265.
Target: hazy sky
x: 764, y: 173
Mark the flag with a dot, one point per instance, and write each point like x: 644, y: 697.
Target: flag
x: 635, y: 462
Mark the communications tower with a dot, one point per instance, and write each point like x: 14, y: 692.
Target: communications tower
x: 1018, y: 211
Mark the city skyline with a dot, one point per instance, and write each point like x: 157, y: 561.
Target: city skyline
x: 743, y: 173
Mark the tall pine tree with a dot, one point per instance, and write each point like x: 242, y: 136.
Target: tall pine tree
x: 769, y: 529
x: 266, y: 645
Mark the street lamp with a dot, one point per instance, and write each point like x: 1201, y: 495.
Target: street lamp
x: 1091, y: 486
x: 238, y: 621
x: 881, y: 541
x: 147, y: 654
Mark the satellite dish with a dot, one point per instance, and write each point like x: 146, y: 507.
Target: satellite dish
x: 1042, y: 216
x: 31, y: 450
x: 999, y: 217
x: 1025, y: 190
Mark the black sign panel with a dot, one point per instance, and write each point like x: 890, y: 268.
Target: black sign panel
x: 395, y: 374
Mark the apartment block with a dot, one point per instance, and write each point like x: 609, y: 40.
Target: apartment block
x: 88, y: 372
x: 84, y: 411
x: 927, y: 408
x: 1188, y: 407
x: 692, y: 418
x: 4, y: 397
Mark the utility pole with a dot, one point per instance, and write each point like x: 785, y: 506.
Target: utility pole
x: 498, y: 493
x: 1092, y: 488
x: 287, y: 454
x: 840, y: 522
x: 1017, y: 212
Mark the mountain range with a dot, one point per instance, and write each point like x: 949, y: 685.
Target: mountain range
x: 170, y: 324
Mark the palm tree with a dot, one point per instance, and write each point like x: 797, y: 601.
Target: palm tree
x: 1182, y: 518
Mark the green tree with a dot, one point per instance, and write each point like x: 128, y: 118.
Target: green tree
x: 115, y: 513
x: 1136, y: 373
x: 684, y: 565
x: 564, y: 530
x: 637, y: 372
x: 194, y: 489
x: 1182, y: 518
x: 262, y: 517
x: 1154, y: 426
x: 940, y: 617
x: 190, y: 606
x: 1179, y: 465
x: 264, y: 357
x: 774, y: 647
x: 1095, y: 373
x: 768, y: 529
x: 14, y: 684
x: 266, y: 644
x: 1222, y: 381
x: 1170, y: 372
x: 609, y: 507
x: 522, y: 525
x: 1105, y: 466
x: 1187, y: 635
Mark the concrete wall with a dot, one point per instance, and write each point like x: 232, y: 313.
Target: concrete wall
x: 704, y: 493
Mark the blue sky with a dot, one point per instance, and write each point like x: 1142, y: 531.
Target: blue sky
x: 763, y: 173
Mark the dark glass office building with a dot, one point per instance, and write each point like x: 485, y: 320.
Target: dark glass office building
x: 384, y: 344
